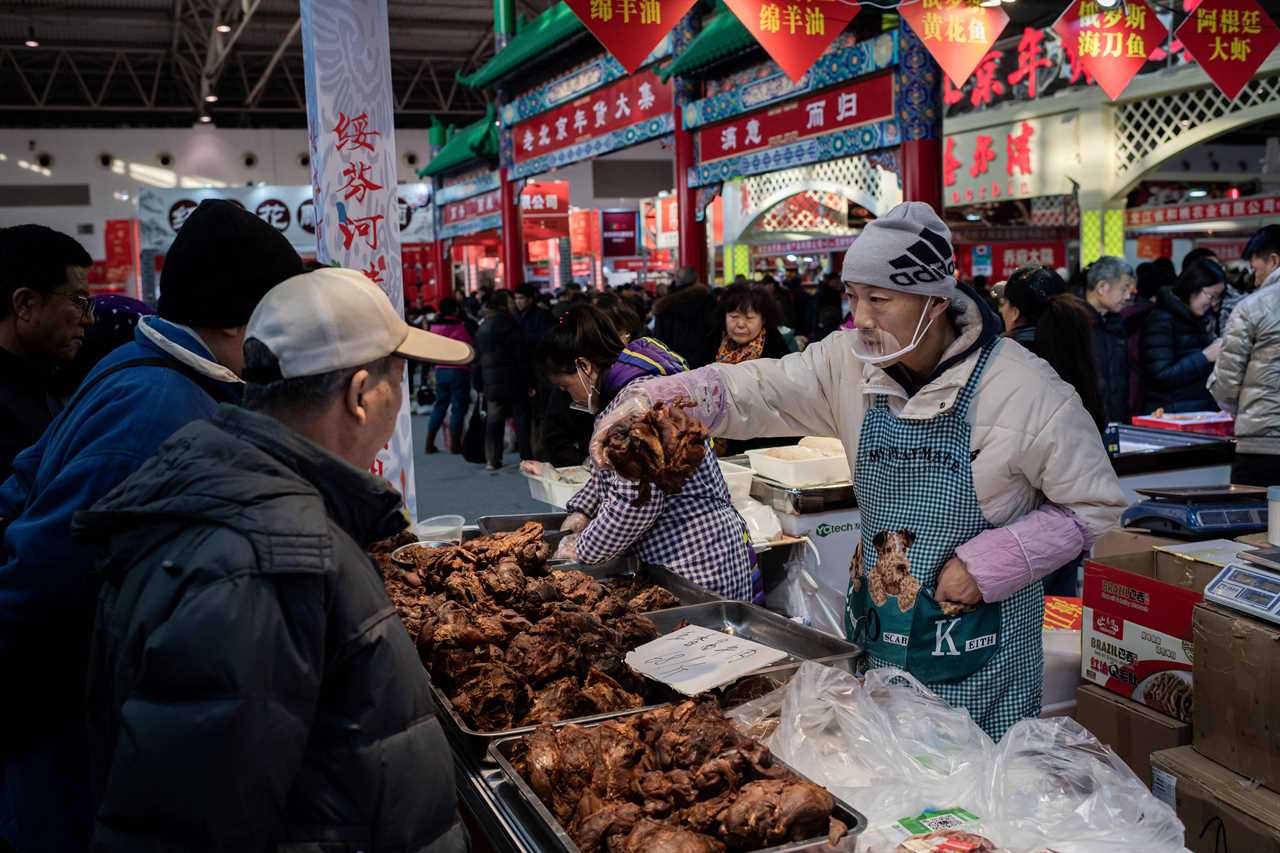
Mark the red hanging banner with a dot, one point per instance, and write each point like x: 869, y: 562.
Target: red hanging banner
x: 1230, y: 39
x: 958, y: 33
x: 794, y: 32
x: 544, y: 210
x: 630, y: 29
x: 1111, y: 44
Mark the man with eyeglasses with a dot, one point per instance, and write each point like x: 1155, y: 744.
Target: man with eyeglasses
x: 44, y: 311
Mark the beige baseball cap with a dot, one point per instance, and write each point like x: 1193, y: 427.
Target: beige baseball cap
x: 336, y: 319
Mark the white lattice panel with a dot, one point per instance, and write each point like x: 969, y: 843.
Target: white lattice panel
x: 1142, y: 126
x: 858, y: 177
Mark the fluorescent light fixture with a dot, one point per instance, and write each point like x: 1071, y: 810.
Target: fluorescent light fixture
x: 205, y: 119
x: 226, y: 28
x: 1197, y: 193
x: 972, y: 217
x: 211, y: 99
x: 31, y: 41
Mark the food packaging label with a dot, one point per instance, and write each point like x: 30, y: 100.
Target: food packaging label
x: 694, y: 659
x: 1137, y: 638
x: 1165, y: 787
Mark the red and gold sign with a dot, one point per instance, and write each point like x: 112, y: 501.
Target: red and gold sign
x: 630, y: 29
x: 472, y: 208
x: 794, y: 32
x: 584, y: 232
x: 1230, y: 39
x: 958, y: 33
x: 836, y: 109
x: 624, y: 103
x: 1112, y: 44
x: 544, y: 210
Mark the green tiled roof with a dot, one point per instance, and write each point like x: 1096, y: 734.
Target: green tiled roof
x: 549, y: 30
x: 721, y: 37
x: 477, y: 141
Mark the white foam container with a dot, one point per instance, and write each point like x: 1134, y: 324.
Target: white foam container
x: 556, y: 492
x: 803, y: 472
x: 738, y: 478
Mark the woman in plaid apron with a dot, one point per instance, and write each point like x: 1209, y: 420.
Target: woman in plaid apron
x: 978, y: 471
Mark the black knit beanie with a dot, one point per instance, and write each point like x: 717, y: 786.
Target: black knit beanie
x: 223, y: 261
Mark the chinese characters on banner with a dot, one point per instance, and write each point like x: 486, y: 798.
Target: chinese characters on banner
x: 1006, y: 258
x: 544, y: 210
x: 1021, y: 159
x: 1230, y: 39
x: 475, y: 207
x: 630, y: 29
x: 1202, y: 211
x: 628, y: 101
x: 958, y: 33
x: 866, y: 100
x: 584, y: 232
x: 619, y: 233
x: 353, y: 168
x: 794, y: 32
x: 668, y: 222
x: 1112, y: 44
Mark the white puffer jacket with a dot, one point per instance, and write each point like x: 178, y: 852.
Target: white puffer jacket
x: 1246, y: 379
x: 1033, y: 439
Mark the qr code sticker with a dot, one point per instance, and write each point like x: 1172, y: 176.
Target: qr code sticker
x: 942, y: 821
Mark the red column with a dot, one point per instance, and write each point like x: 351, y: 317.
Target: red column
x: 693, y: 231
x: 922, y: 171
x: 512, y: 239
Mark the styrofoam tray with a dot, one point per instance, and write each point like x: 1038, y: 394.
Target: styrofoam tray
x: 738, y: 479
x: 830, y: 468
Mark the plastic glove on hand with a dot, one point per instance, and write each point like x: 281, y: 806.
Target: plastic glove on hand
x: 576, y: 522
x: 568, y: 548
x: 631, y: 405
x: 957, y: 591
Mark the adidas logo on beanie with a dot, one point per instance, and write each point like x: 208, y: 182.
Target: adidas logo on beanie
x: 908, y: 249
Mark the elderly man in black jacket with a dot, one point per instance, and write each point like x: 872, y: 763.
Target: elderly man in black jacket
x: 1110, y: 289
x: 251, y: 686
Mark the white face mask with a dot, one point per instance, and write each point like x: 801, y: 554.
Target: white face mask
x: 876, y: 346
x: 591, y: 407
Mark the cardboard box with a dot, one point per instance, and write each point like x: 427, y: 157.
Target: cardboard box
x: 1128, y: 542
x: 1137, y: 639
x: 1237, y: 692
x: 1220, y: 811
x: 1192, y: 565
x: 1132, y: 731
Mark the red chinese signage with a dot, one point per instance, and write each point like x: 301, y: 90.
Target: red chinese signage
x: 1111, y: 44
x: 584, y: 232
x: 1151, y: 247
x: 794, y: 32
x: 866, y: 100
x: 1230, y: 39
x: 630, y: 29
x: 118, y: 238
x: 619, y: 233
x: 958, y: 33
x: 472, y: 208
x: 624, y: 103
x: 544, y: 210
x: 1202, y: 211
x: 1006, y: 258
x: 996, y: 163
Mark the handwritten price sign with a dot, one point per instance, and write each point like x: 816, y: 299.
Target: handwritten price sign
x: 694, y: 659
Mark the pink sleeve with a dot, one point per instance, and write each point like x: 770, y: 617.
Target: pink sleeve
x: 1005, y: 559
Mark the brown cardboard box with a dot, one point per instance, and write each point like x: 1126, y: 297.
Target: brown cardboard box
x: 1237, y: 692
x: 1128, y: 542
x: 1133, y: 731
x: 1188, y: 574
x: 1219, y: 810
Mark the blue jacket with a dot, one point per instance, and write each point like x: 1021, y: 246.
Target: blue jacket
x: 49, y: 585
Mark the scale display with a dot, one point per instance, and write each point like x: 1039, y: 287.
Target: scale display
x: 1249, y: 589
x: 1220, y: 511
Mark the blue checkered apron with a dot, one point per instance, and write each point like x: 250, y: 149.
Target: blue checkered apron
x: 914, y: 481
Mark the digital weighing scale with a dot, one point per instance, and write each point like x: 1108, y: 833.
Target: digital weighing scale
x: 1251, y: 586
x: 1200, y: 512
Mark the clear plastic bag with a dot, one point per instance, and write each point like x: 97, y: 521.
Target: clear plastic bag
x: 762, y: 521
x: 1054, y: 785
x: 801, y: 595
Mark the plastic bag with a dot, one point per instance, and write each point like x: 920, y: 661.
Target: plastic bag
x: 1054, y: 785
x: 802, y: 595
x: 887, y: 746
x: 762, y: 521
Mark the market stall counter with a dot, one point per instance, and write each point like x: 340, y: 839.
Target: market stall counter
x: 1159, y: 458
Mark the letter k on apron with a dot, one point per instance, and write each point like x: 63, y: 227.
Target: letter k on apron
x: 914, y: 481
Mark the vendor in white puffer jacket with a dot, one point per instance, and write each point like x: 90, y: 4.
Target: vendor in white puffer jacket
x: 978, y: 471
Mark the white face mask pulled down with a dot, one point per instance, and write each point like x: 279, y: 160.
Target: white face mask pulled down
x: 592, y: 406
x: 876, y: 346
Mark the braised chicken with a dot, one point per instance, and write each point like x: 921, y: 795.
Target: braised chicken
x: 663, y: 447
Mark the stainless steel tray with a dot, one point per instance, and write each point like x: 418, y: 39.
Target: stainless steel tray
x: 681, y: 587
x: 550, y: 522
x: 796, y: 500
x: 500, y: 752
x: 739, y: 619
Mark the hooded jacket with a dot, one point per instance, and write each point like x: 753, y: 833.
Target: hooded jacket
x: 251, y: 685
x: 1173, y: 361
x: 48, y: 586
x: 1246, y: 379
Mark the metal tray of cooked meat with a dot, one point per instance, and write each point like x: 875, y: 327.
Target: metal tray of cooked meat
x: 400, y: 556
x: 550, y: 521
x: 500, y: 752
x: 681, y: 587
x: 739, y: 619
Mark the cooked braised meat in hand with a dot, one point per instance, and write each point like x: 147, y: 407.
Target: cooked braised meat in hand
x: 663, y: 447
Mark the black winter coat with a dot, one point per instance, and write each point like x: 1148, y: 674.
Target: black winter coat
x: 684, y: 320
x: 26, y: 408
x: 251, y: 687
x: 502, y: 370
x: 1110, y: 349
x: 1173, y: 363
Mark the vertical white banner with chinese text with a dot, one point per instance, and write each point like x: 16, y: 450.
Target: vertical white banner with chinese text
x: 353, y: 168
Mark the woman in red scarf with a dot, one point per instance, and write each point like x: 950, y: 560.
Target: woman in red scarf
x: 747, y: 322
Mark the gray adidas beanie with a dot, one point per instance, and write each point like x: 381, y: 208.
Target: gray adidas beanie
x: 908, y: 249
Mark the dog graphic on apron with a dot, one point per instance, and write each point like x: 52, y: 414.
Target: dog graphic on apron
x: 914, y: 482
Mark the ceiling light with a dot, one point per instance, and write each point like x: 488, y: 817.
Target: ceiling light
x: 1108, y: 4
x: 990, y: 3
x: 226, y: 28
x: 1197, y: 193
x: 211, y: 99
x: 205, y: 119
x: 973, y: 217
x: 31, y: 41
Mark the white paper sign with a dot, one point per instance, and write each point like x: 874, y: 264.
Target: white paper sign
x: 1215, y: 552
x: 694, y: 659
